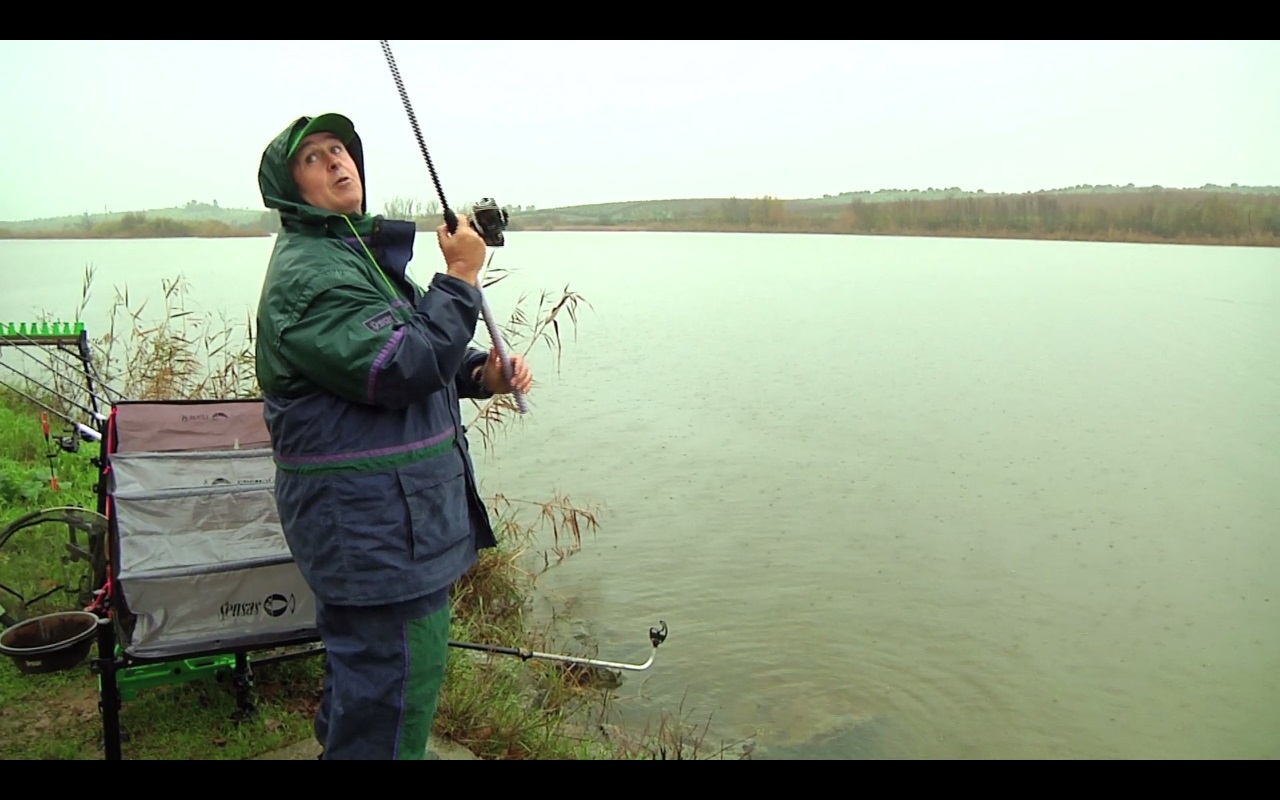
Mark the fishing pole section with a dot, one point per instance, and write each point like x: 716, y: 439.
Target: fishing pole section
x: 487, y: 218
x: 490, y: 220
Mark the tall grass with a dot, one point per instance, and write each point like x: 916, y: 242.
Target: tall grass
x: 500, y: 707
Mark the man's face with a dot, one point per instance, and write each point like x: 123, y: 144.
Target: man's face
x: 326, y: 174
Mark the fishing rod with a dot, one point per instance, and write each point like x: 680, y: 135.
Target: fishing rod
x: 487, y: 219
x: 67, y: 443
x: 656, y: 637
x: 96, y: 415
x: 81, y: 367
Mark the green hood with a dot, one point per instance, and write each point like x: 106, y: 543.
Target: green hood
x: 279, y: 191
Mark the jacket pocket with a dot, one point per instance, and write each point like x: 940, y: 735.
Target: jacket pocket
x: 435, y: 493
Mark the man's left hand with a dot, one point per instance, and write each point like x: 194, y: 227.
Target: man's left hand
x: 494, y: 379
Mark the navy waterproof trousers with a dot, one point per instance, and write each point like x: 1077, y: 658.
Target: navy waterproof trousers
x: 384, y: 666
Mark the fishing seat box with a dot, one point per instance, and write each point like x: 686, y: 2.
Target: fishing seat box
x: 200, y: 562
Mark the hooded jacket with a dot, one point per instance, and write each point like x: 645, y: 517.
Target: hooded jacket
x: 361, y: 372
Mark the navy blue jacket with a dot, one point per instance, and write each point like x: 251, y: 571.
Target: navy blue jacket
x: 361, y: 373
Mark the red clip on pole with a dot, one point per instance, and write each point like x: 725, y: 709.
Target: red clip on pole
x: 53, y: 476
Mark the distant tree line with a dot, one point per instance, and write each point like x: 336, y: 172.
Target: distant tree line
x: 138, y: 225
x: 1190, y: 216
x: 1171, y: 216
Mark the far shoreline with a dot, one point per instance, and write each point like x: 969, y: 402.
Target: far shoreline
x: 1114, y: 238
x: 71, y: 236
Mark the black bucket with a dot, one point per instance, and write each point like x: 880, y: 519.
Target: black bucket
x: 50, y: 643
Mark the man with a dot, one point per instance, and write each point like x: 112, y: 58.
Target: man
x: 361, y: 372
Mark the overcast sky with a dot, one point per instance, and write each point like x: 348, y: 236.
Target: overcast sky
x: 95, y: 126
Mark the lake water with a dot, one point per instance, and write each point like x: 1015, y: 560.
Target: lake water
x: 894, y: 497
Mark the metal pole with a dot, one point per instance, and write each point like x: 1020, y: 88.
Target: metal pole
x: 656, y: 637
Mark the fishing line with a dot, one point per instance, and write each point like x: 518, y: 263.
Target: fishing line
x: 85, y: 431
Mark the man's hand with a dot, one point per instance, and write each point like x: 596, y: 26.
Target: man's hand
x: 494, y: 379
x: 463, y: 251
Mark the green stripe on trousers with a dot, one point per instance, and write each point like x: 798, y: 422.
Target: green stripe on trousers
x: 426, y: 650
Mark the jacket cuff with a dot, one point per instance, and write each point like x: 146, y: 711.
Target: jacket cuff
x: 475, y: 359
x: 443, y: 278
